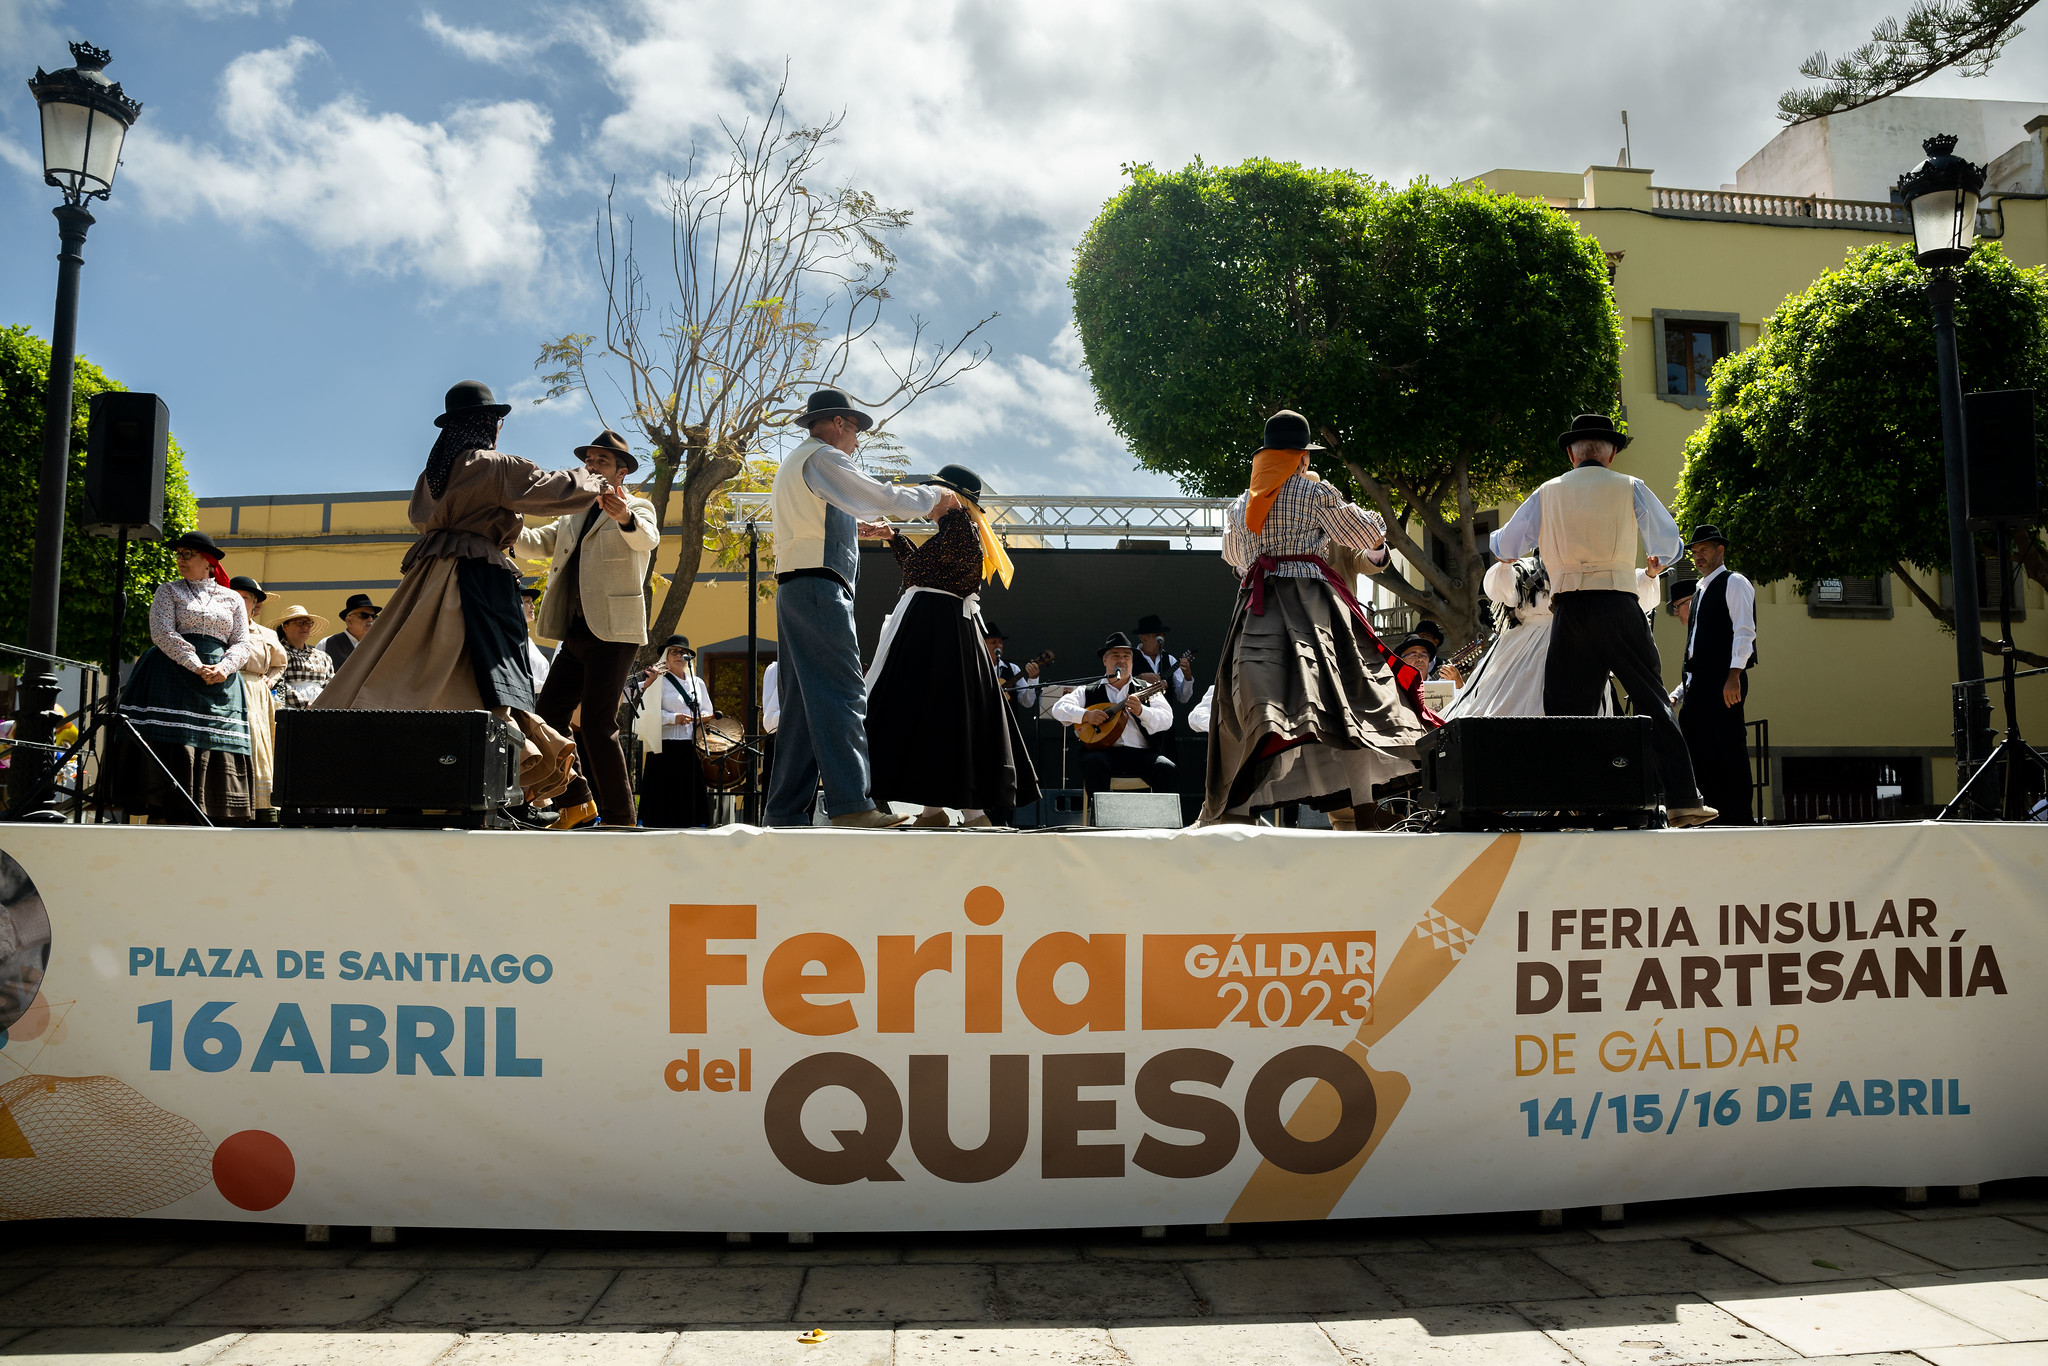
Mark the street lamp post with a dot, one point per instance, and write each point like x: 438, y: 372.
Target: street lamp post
x: 85, y: 117
x: 1941, y: 193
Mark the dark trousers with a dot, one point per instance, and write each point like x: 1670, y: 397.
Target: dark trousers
x: 591, y: 673
x: 1599, y: 632
x: 1718, y: 737
x: 1098, y: 766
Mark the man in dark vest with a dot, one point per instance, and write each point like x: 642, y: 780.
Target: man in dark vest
x: 1720, y: 649
x: 1131, y: 756
x: 356, y: 617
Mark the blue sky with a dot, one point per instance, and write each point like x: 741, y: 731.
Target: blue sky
x: 333, y: 209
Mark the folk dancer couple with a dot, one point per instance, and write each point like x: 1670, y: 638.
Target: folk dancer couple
x: 932, y: 695
x: 454, y: 635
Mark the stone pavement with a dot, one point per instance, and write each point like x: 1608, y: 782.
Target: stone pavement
x: 1835, y: 1276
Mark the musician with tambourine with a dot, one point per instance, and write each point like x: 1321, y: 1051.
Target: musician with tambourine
x: 1112, y: 718
x: 673, y: 795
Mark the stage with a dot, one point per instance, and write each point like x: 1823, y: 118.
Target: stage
x: 825, y: 1030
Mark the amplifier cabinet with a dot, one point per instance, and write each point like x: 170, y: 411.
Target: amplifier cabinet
x: 1541, y: 772
x: 394, y: 767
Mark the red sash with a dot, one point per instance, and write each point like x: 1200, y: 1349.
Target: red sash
x: 1407, y: 677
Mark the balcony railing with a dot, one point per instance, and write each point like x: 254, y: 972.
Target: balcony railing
x: 1883, y: 217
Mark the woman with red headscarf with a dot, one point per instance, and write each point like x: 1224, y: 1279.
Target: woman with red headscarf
x: 1309, y: 705
x: 185, y: 700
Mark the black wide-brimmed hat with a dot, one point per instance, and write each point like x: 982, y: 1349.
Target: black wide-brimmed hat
x: 359, y: 602
x: 1594, y: 427
x: 1426, y: 627
x: 471, y: 398
x: 1683, y: 589
x: 244, y: 584
x: 991, y: 631
x: 1151, y: 625
x: 1288, y: 430
x: 677, y: 643
x: 531, y: 593
x: 832, y: 403
x: 960, y: 479
x: 1706, y: 533
x: 1413, y: 639
x: 1115, y: 640
x: 613, y: 445
x: 199, y: 541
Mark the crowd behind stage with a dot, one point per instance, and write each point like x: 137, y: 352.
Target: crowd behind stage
x: 1308, y: 706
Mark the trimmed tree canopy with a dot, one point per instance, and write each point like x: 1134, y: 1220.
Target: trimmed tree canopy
x: 1822, y: 456
x: 86, y: 621
x: 1437, y: 338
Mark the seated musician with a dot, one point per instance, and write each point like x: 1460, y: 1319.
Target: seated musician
x: 1018, y: 681
x: 1099, y: 703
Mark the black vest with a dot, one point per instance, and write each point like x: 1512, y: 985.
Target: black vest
x: 1713, y: 629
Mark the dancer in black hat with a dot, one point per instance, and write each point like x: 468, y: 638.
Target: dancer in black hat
x: 1130, y: 755
x: 939, y: 734
x: 672, y: 791
x: 1720, y: 650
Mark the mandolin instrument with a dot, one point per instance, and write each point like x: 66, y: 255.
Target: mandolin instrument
x: 1093, y: 736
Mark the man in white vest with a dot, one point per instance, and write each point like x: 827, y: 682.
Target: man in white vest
x: 820, y: 497
x: 1586, y: 523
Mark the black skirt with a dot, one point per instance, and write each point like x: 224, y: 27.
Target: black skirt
x: 494, y: 621
x: 672, y: 791
x: 939, y: 733
x: 200, y: 732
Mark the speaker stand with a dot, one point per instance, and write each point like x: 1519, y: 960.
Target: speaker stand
x: 2019, y: 764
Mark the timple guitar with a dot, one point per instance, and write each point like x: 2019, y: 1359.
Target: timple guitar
x: 1094, y: 736
x: 1021, y: 680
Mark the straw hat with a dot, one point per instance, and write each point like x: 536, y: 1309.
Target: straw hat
x: 294, y: 612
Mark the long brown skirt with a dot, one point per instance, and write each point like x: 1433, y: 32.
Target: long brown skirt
x: 1303, y: 674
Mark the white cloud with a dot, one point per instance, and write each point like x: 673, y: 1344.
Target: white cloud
x: 482, y: 44
x: 233, y: 9
x: 451, y: 201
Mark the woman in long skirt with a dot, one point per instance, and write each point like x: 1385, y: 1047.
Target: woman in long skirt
x: 186, y: 702
x: 1309, y: 705
x: 1508, y: 679
x: 260, y: 673
x: 939, y: 733
x: 673, y: 795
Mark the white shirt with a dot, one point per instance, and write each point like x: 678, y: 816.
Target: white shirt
x: 1163, y: 664
x: 771, y: 698
x: 1741, y: 600
x: 537, y: 662
x: 678, y: 716
x: 832, y: 474
x: 1019, y: 689
x: 1198, y: 718
x: 1653, y: 519
x: 1153, y: 713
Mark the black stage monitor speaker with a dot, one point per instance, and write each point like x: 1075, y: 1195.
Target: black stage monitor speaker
x: 2005, y: 468
x: 127, y: 441
x: 403, y: 768
x: 1541, y: 773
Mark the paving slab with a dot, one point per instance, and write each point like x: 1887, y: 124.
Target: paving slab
x: 895, y: 1294
x: 253, y: 1255
x: 1860, y: 1359
x: 298, y: 1299
x: 2013, y: 1307
x: 2039, y: 1221
x: 393, y: 1347
x: 765, y: 1346
x: 2003, y: 1205
x: 812, y: 1256
x: 1018, y: 1344
x: 105, y: 1297
x: 1292, y: 1285
x: 1857, y: 1316
x: 1649, y: 1268
x: 1445, y: 1278
x: 526, y: 1299
x: 1170, y: 1252
x: 720, y: 1294
x: 1202, y: 1342
x: 1366, y: 1246
x: 1466, y: 1335
x: 1995, y: 1354
x: 34, y: 1253
x: 619, y: 1258
x: 1650, y: 1330
x: 1093, y: 1293
x: 15, y: 1276
x: 1507, y: 1237
x: 562, y: 1349
x: 989, y: 1254
x: 1672, y: 1226
x: 1797, y: 1256
x: 119, y: 1347
x: 1967, y: 1244
x: 1821, y: 1216
x: 449, y: 1257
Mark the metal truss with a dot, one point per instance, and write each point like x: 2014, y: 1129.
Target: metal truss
x: 1025, y: 515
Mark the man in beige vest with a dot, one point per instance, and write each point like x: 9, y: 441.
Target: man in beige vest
x: 596, y: 606
x: 1586, y: 523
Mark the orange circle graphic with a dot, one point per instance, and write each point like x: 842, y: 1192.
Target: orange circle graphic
x: 984, y: 905
x: 253, y: 1169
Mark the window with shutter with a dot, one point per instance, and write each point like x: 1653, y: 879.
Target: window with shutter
x: 1851, y: 597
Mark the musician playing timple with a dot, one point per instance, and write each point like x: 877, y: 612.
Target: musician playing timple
x: 1420, y: 653
x: 1310, y: 706
x: 1153, y: 662
x: 672, y: 792
x: 1019, y: 681
x: 1098, y: 704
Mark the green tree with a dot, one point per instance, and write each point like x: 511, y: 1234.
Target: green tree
x: 1437, y: 337
x: 1964, y: 35
x: 86, y: 621
x: 1822, y: 455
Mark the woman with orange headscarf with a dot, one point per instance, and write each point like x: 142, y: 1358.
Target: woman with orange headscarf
x: 1309, y: 705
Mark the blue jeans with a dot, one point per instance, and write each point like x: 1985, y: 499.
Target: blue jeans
x: 824, y: 704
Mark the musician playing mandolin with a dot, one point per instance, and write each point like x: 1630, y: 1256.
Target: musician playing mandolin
x: 1120, y: 703
x: 672, y: 791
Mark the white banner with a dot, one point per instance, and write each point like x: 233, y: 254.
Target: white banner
x: 836, y: 1030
